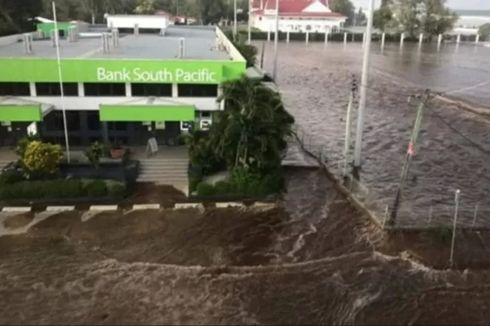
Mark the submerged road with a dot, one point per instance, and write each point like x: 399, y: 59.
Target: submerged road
x: 454, y: 144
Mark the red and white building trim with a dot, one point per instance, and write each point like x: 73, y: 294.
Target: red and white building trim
x: 296, y: 16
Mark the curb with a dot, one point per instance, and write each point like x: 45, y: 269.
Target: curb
x: 143, y: 207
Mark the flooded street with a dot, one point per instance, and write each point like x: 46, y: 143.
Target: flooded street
x: 454, y: 144
x: 313, y: 260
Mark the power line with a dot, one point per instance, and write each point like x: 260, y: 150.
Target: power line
x: 454, y: 129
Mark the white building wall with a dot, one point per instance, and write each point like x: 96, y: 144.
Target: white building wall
x: 92, y: 103
x: 267, y: 23
x: 129, y: 21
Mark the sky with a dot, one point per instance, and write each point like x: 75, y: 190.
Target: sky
x: 453, y: 4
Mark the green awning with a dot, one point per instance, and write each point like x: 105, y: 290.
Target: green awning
x: 143, y: 113
x: 20, y: 113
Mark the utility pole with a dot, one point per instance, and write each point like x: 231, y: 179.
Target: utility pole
x: 60, y: 76
x: 276, y: 41
x: 235, y: 27
x: 348, y: 125
x: 250, y: 3
x: 364, y: 82
x: 409, y: 156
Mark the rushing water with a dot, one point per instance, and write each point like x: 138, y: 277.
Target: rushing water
x: 454, y: 145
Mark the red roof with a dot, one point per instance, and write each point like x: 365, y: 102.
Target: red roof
x: 292, y: 8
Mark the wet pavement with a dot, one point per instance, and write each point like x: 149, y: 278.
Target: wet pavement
x: 454, y: 144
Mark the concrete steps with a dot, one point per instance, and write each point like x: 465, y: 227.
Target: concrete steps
x: 165, y: 171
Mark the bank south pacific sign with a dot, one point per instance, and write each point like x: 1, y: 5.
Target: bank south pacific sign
x: 164, y: 75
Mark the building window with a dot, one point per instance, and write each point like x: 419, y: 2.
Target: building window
x: 53, y: 89
x: 15, y: 89
x: 198, y: 90
x: 117, y: 126
x: 151, y: 90
x: 93, y: 120
x: 105, y: 89
x: 54, y: 121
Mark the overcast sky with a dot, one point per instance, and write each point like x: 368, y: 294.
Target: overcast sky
x: 454, y: 4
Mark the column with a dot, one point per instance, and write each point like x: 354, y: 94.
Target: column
x: 129, y: 91
x: 81, y: 90
x: 175, y: 90
x: 32, y: 87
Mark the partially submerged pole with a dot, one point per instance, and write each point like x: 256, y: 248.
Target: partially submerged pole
x: 408, y: 158
x: 383, y: 38
x: 455, y: 223
x: 439, y: 42
x: 348, y: 125
x: 364, y: 84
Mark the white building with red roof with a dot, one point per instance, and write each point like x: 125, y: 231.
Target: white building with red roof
x: 296, y: 16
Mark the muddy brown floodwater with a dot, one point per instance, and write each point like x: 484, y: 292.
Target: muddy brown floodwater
x: 454, y: 145
x: 312, y: 260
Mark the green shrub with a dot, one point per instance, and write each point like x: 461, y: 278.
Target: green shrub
x: 205, y: 189
x: 41, y: 158
x: 71, y: 189
x: 117, y: 190
x: 96, y: 188
x: 94, y: 154
x: 10, y: 176
x: 223, y: 188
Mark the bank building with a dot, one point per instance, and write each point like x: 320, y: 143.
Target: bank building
x: 135, y: 77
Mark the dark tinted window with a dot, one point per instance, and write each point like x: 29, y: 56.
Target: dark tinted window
x: 53, y: 89
x: 151, y: 89
x: 195, y: 90
x: 93, y: 120
x: 105, y: 89
x: 15, y: 89
x: 54, y: 121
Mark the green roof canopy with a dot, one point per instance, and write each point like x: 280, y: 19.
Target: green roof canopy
x: 20, y: 113
x: 143, y: 113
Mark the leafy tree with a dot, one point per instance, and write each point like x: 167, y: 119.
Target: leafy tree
x: 212, y: 11
x: 431, y: 17
x: 382, y: 17
x: 436, y: 17
x: 15, y: 15
x: 484, y: 30
x: 406, y: 13
x: 360, y: 18
x: 145, y: 7
x: 41, y: 158
x: 344, y: 7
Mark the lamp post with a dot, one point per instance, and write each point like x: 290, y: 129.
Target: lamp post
x: 60, y: 76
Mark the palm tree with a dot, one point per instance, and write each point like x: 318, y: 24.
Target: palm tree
x: 252, y: 131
